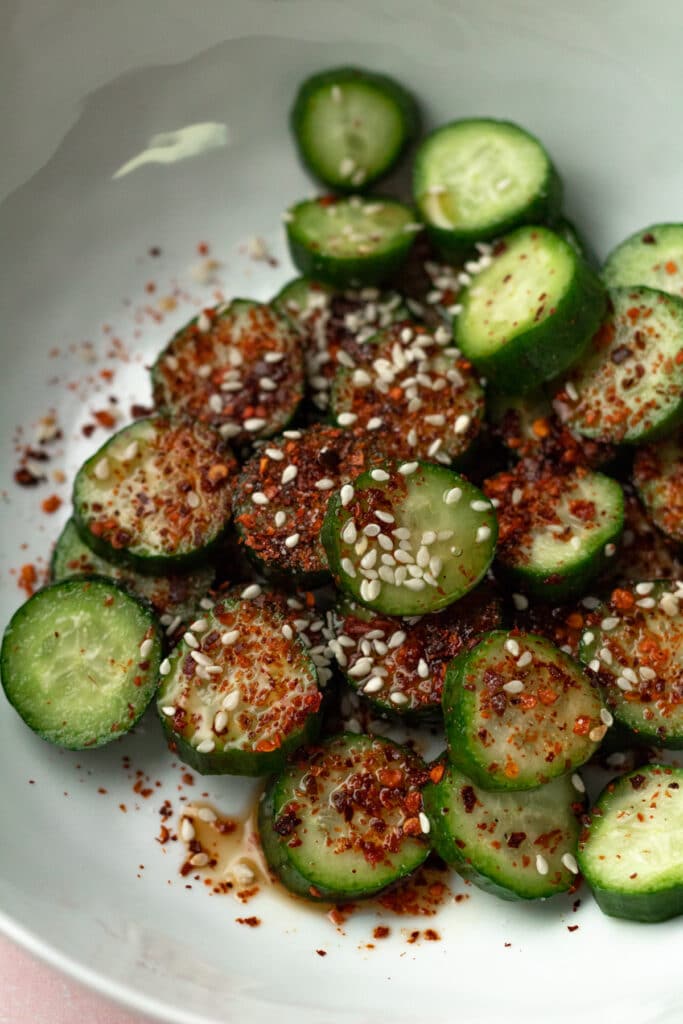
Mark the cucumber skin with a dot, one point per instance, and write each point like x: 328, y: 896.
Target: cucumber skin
x: 339, y: 76
x: 643, y: 907
x: 550, y: 348
x: 156, y: 655
x: 456, y: 246
x: 349, y: 272
x: 240, y: 762
x: 458, y: 728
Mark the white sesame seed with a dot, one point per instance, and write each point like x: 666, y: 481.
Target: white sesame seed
x: 254, y: 423
x: 372, y: 530
x: 453, y: 496
x: 644, y: 588
x: 669, y: 605
x: 407, y: 468
x: 609, y: 623
x: 571, y: 392
x: 434, y: 447
x: 280, y: 518
x: 610, y: 550
x: 591, y: 603
x: 273, y: 357
x: 524, y: 659
x: 578, y: 783
x: 647, y: 673
x: 165, y: 667
x: 414, y: 584
x: 292, y: 540
x: 346, y: 494
x: 588, y: 637
x: 398, y: 698
x: 483, y: 534
x: 169, y: 710
x: 146, y: 647
x: 569, y: 861
x: 220, y: 721
x: 384, y: 517
x: 173, y: 625
x: 605, y: 717
x: 201, y: 659
x: 259, y: 498
x: 250, y: 592
x: 387, y: 544
x: 228, y: 430
x: 289, y: 473
x: 215, y: 403
x: 231, y: 700
x: 512, y: 647
x: 374, y: 423
x: 229, y: 638
x: 604, y: 654
x: 646, y: 602
x: 480, y: 506
x: 200, y: 860
x: 435, y: 419
x: 520, y: 602
x: 541, y: 864
x: 187, y: 832
x: 368, y: 560
x: 347, y: 419
x: 191, y: 640
x: 373, y: 685
x: 424, y: 823
x: 350, y: 534
x: 206, y: 746
x: 206, y: 814
x: 598, y: 734
x: 129, y: 452
x: 362, y: 667
x: 348, y: 567
x: 624, y: 684
x: 594, y: 665
x: 380, y: 475
x: 514, y: 686
x: 102, y: 469
x: 629, y: 674
x: 325, y: 484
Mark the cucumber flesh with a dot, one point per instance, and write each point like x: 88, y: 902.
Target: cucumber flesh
x: 629, y: 387
x: 513, y: 845
x: 343, y: 820
x: 652, y: 257
x: 519, y: 712
x: 630, y: 852
x: 439, y: 537
x: 634, y: 648
x: 79, y: 662
x: 658, y: 475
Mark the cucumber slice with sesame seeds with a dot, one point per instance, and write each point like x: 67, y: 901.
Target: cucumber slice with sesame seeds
x: 529, y: 315
x: 412, y: 385
x: 350, y: 242
x: 441, y: 528
x: 519, y: 712
x: 174, y: 595
x: 652, y: 257
x: 515, y: 845
x: 345, y: 820
x: 156, y: 496
x: 629, y: 387
x: 658, y: 476
x: 237, y: 367
x: 629, y: 852
x: 478, y: 178
x: 335, y: 326
x: 281, y: 497
x: 79, y: 662
x: 634, y: 649
x: 399, y: 666
x: 240, y: 691
x: 557, y: 529
x: 352, y: 125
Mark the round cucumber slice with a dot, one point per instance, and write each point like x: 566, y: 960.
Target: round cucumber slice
x: 658, y: 476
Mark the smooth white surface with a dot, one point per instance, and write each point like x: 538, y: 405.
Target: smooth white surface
x: 83, y: 87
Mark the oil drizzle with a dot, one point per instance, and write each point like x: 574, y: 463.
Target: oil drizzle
x: 223, y: 850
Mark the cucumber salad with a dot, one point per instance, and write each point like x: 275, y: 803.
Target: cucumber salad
x: 434, y: 485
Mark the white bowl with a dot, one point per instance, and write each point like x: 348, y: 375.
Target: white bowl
x: 84, y: 88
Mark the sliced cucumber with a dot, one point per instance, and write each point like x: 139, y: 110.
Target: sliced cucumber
x: 350, y: 242
x: 156, y: 495
x: 399, y: 667
x: 240, y: 691
x: 478, y: 178
x: 351, y: 125
x: 630, y: 852
x: 411, y: 385
x: 174, y: 596
x: 636, y: 650
x: 79, y: 662
x: 557, y: 530
x: 652, y: 257
x: 644, y: 553
x: 629, y: 388
x: 519, y: 712
x: 440, y: 535
x: 281, y: 497
x: 344, y: 820
x: 513, y: 845
x: 238, y: 367
x: 658, y: 475
x: 529, y: 315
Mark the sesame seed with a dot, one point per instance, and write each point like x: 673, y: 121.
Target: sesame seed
x: 187, y: 830
x: 289, y: 473
x: 102, y: 469
x: 348, y: 567
x: 605, y: 717
x: 386, y: 544
x: 254, y: 423
x: 624, y: 684
x: 524, y: 659
x: 384, y: 517
x: 435, y: 419
x: 346, y: 494
x: 629, y: 674
x: 398, y: 698
x: 414, y: 584
x: 191, y: 640
x: 215, y: 403
x: 165, y: 667
x: 250, y: 592
x: 520, y: 602
x: 229, y: 638
x: 594, y: 665
x: 231, y: 700
x: 220, y: 721
x: 361, y: 547
x: 228, y: 430
x: 591, y: 603
x: 273, y: 357
x: 362, y: 667
x: 609, y: 550
x: 280, y: 518
x: 434, y: 447
x: 644, y: 588
x: 647, y: 673
x: 541, y: 864
x: 169, y: 710
x: 347, y: 419
x: 380, y: 475
x: 480, y: 506
x: 146, y: 647
x: 267, y: 384
x: 373, y: 685
x: 374, y: 423
x: 514, y: 686
x: 350, y: 534
x: 483, y: 534
x: 424, y: 822
x: 669, y: 605
x: 206, y: 746
x: 371, y: 530
x: 292, y: 540
x: 206, y: 814
x: 512, y: 647
x: 598, y: 734
x: 259, y: 498
x: 201, y: 659
x: 609, y: 623
x: 578, y: 783
x: 173, y: 625
x: 407, y: 468
x: 453, y: 496
x: 368, y: 560
x: 604, y: 654
x: 200, y: 860
x: 569, y: 861
x: 462, y: 424
x: 588, y: 637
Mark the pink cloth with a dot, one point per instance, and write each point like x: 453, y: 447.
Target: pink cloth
x: 32, y: 993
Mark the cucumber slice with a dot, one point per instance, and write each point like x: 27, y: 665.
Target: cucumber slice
x: 156, y: 495
x: 629, y: 853
x: 519, y: 712
x: 240, y: 691
x: 238, y: 367
x: 440, y: 534
x: 352, y: 125
x: 513, y: 845
x: 478, y: 178
x: 170, y: 596
x: 557, y: 530
x: 529, y: 315
x: 281, y: 497
x: 652, y: 257
x: 658, y: 475
x: 399, y: 667
x: 350, y: 242
x: 412, y: 385
x: 636, y: 652
x: 79, y: 662
x: 629, y: 388
x: 335, y: 326
x: 344, y: 820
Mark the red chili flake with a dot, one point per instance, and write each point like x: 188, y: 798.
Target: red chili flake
x: 381, y: 932
x: 25, y: 478
x: 203, y: 248
x: 671, y: 267
x: 51, y: 504
x: 572, y: 927
x: 251, y: 922
x: 105, y: 418
x: 321, y: 952
x: 27, y: 579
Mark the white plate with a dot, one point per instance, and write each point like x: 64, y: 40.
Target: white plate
x: 83, y: 88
